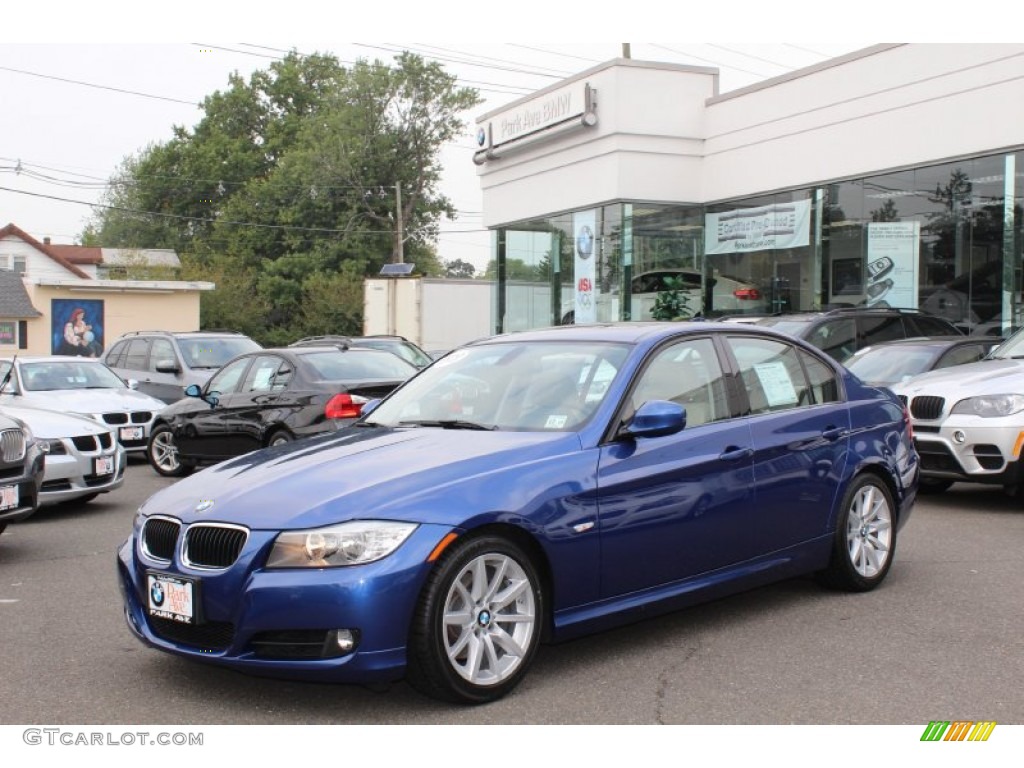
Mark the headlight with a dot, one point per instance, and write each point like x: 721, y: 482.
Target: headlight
x: 355, y: 543
x: 990, y: 406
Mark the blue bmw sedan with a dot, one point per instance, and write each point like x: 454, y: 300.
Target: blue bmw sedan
x: 527, y: 488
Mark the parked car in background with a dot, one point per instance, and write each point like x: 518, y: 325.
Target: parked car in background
x: 163, y: 363
x: 841, y: 332
x: 270, y: 397
x: 83, y: 386
x: 83, y: 458
x: 894, y: 362
x: 21, y: 470
x: 535, y: 485
x: 398, y: 345
x: 969, y: 420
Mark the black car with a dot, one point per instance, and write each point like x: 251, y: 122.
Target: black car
x: 21, y: 471
x: 270, y: 397
x: 893, y: 362
x: 398, y: 345
x: 841, y: 332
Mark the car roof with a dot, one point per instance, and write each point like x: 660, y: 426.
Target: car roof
x: 631, y: 332
x: 936, y: 342
x: 53, y: 359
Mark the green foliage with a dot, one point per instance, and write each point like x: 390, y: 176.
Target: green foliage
x: 458, y: 268
x: 284, y: 194
x: 673, y: 302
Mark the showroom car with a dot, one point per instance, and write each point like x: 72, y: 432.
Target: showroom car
x: 894, y: 362
x: 21, y: 470
x: 728, y: 294
x: 268, y: 398
x: 515, y: 492
x: 83, y: 457
x: 82, y: 386
x: 969, y: 420
x: 163, y: 363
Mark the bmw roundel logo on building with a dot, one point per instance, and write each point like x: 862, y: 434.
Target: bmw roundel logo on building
x: 481, y: 136
x: 585, y: 242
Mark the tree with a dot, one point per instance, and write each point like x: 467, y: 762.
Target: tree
x: 286, y: 189
x: 457, y: 268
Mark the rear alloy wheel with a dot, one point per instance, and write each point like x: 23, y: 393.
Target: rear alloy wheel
x: 280, y: 437
x: 478, y: 624
x: 865, y: 538
x: 162, y: 453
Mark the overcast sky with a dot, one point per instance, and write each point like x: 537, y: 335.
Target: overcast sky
x: 80, y: 92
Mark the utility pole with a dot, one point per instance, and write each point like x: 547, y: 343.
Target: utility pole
x: 401, y: 235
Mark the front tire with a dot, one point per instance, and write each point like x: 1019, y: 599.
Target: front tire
x: 478, y: 623
x: 280, y: 437
x: 162, y: 453
x: 865, y: 537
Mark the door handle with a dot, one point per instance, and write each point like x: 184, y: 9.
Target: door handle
x: 833, y: 433
x: 735, y: 453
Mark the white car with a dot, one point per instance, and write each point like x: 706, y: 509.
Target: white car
x: 83, y: 458
x: 969, y: 420
x: 83, y: 386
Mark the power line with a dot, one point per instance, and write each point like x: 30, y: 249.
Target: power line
x: 101, y: 87
x: 749, y: 56
x: 808, y: 50
x: 708, y: 61
x: 556, y: 53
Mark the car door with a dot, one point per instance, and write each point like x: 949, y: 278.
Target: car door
x: 247, y: 413
x: 205, y: 432
x: 800, y: 429
x: 677, y: 505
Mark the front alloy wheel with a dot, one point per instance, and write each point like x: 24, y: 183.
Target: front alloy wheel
x: 865, y: 537
x: 478, y: 626
x: 162, y: 453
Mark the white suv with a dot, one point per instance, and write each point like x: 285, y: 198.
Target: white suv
x: 969, y: 420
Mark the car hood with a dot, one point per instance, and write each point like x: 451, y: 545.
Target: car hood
x: 360, y: 473
x: 53, y: 424
x: 986, y: 377
x: 90, y: 400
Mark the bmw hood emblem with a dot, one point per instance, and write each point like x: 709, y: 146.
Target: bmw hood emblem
x: 203, y: 505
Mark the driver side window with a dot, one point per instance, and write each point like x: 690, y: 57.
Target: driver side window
x: 227, y: 379
x: 687, y: 373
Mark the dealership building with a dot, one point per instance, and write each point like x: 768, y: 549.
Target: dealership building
x: 891, y: 175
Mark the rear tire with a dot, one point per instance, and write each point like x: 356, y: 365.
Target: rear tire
x: 478, y: 624
x: 865, y: 537
x: 280, y: 437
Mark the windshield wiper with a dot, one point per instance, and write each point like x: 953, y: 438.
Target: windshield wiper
x: 447, y: 424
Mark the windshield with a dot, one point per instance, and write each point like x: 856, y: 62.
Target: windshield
x: 1012, y: 348
x: 889, y: 366
x: 544, y: 386
x: 213, y: 351
x: 357, y: 365
x: 41, y: 377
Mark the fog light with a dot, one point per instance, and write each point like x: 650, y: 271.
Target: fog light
x: 959, y: 437
x: 345, y: 639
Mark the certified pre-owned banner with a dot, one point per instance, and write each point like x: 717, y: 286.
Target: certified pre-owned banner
x: 781, y: 225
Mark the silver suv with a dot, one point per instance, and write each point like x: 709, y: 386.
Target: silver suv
x: 163, y: 363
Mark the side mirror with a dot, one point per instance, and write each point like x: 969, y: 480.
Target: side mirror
x: 167, y: 366
x: 655, y: 418
x: 132, y: 383
x: 193, y: 390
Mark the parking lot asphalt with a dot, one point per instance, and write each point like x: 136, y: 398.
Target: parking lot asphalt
x: 942, y: 638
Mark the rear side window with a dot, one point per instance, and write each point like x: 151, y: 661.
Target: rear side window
x: 135, y: 355
x: 836, y: 338
x: 882, y: 328
x: 774, y: 376
x: 932, y: 326
x: 115, y: 354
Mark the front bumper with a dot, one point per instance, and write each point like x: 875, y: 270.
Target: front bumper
x: 971, y: 449
x: 278, y: 622
x: 72, y: 475
x: 27, y: 478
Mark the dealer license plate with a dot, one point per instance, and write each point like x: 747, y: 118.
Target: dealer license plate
x: 131, y: 433
x: 8, y: 497
x: 104, y: 465
x: 171, y: 597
